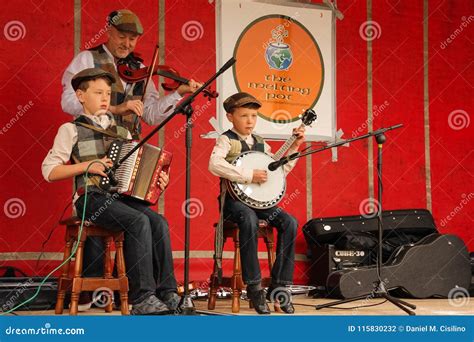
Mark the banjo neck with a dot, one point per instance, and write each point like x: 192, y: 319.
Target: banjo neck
x: 286, y: 146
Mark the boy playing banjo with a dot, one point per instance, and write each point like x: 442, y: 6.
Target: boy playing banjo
x: 242, y: 112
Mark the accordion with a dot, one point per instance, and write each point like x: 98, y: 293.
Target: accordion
x: 139, y: 174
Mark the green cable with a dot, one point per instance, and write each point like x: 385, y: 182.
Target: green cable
x: 86, y: 175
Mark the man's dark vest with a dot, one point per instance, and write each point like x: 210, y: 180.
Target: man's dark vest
x: 102, y: 60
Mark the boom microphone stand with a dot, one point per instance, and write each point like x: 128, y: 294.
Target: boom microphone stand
x: 380, y: 290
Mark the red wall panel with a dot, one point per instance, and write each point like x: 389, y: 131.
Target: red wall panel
x: 34, y: 55
x: 451, y: 72
x: 400, y: 48
x: 190, y: 49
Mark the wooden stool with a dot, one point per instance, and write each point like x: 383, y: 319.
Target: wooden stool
x: 79, y: 283
x: 231, y: 230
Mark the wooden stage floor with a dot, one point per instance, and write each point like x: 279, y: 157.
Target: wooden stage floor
x: 424, y: 307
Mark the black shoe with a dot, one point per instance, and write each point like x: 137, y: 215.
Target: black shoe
x: 283, y: 297
x: 171, y: 299
x: 259, y: 303
x: 150, y: 306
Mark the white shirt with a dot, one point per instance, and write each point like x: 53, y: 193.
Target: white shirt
x: 220, y: 167
x: 64, y: 141
x: 156, y: 109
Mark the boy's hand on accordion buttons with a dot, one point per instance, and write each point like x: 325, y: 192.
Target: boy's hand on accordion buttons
x: 163, y: 181
x: 259, y: 176
x: 99, y: 168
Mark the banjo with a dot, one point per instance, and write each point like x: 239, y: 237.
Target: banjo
x: 270, y: 193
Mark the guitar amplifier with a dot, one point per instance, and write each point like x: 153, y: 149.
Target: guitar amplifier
x: 328, y: 259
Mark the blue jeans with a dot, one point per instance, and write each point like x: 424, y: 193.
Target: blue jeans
x: 147, y: 246
x: 247, y: 220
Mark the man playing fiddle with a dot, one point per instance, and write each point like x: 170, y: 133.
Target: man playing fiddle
x: 124, y: 30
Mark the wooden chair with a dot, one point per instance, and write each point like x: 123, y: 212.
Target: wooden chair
x: 77, y: 283
x: 235, y: 282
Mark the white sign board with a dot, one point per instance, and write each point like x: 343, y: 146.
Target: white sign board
x: 285, y: 58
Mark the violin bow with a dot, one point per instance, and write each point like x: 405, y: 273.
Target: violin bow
x: 150, y: 71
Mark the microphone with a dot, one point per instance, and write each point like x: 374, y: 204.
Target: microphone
x: 285, y: 160
x: 276, y: 164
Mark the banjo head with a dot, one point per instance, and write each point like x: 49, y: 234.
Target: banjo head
x: 259, y: 196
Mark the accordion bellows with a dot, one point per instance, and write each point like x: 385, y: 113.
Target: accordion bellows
x: 138, y: 176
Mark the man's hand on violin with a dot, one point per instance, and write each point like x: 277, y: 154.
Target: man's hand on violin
x: 128, y: 107
x: 191, y: 87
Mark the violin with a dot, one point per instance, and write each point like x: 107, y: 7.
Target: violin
x: 131, y: 75
x: 130, y: 71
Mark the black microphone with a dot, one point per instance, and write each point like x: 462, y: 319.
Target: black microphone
x: 276, y: 164
x: 285, y: 160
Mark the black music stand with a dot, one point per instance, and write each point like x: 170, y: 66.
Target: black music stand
x: 380, y: 289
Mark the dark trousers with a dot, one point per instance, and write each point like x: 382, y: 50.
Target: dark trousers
x: 93, y: 258
x: 147, y: 246
x: 247, y: 220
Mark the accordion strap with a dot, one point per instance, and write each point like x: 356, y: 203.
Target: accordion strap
x: 103, y: 131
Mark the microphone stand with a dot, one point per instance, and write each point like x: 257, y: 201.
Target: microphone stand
x: 186, y: 305
x: 285, y: 160
x: 380, y: 289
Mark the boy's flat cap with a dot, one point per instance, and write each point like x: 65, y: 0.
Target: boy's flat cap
x: 239, y: 100
x: 89, y: 74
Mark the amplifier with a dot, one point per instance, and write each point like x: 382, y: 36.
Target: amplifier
x: 328, y: 259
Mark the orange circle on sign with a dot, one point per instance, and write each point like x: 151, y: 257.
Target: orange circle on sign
x: 280, y: 63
